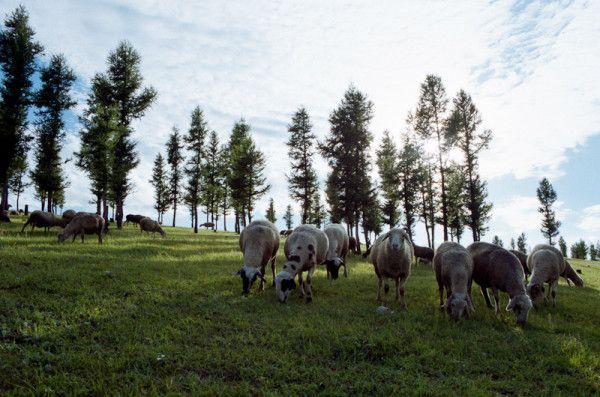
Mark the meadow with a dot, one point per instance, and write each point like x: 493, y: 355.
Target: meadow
x: 144, y: 315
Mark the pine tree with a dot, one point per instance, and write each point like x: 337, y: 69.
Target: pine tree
x: 224, y: 175
x: 18, y: 52
x: 429, y: 123
x: 194, y: 141
x: 497, y: 241
x: 522, y: 243
x: 270, y: 215
x: 371, y: 218
x: 579, y: 250
x: 562, y: 244
x: 409, y: 159
x: 162, y: 189
x: 593, y: 253
x: 213, y: 181
x: 455, y: 201
x: 52, y: 100
x: 346, y: 150
x: 512, y: 243
x: 317, y: 212
x: 462, y: 130
x: 387, y: 166
x: 235, y: 181
x: 288, y: 217
x: 547, y: 196
x: 17, y: 182
x: 121, y: 87
x: 303, y: 178
x: 427, y: 199
x: 175, y: 160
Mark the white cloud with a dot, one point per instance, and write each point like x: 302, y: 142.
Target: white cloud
x: 590, y: 220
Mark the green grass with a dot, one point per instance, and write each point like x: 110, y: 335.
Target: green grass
x: 146, y: 315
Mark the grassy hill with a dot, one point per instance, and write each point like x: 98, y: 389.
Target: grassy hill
x: 150, y: 315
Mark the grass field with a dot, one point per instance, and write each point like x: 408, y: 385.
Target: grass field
x: 146, y: 315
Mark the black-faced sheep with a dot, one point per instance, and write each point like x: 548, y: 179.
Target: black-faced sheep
x: 454, y: 271
x: 259, y: 242
x: 304, y: 249
x: 523, y: 260
x: 392, y: 255
x: 148, y: 225
x: 81, y: 225
x: 338, y: 249
x: 571, y: 275
x: 43, y: 219
x: 496, y: 268
x: 547, y: 264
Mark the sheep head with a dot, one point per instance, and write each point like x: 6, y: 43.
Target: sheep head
x: 249, y: 275
x: 456, y: 305
x: 535, y: 291
x: 520, y: 305
x: 333, y: 267
x: 284, y: 282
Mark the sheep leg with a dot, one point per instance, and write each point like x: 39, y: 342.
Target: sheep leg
x: 441, y: 293
x: 379, y: 285
x: 301, y: 285
x: 309, y: 285
x: 486, y: 297
x: 345, y: 267
x: 386, y: 289
x: 24, y: 226
x: 74, y: 237
x: 262, y: 280
x: 273, y: 269
x: 100, y: 237
x: 470, y: 297
x: 553, y: 291
x: 400, y: 293
x: 496, y: 300
x: 82, y: 236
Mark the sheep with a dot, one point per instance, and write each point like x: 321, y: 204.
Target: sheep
x: 454, y: 271
x: 496, y: 268
x: 43, y: 219
x: 83, y: 224
x: 259, y: 242
x: 338, y: 249
x: 68, y: 215
x: 352, y: 246
x: 148, y: 225
x: 523, y: 260
x: 570, y: 275
x: 546, y: 264
x: 208, y: 225
x: 423, y: 255
x: 392, y: 255
x: 135, y: 219
x: 304, y: 249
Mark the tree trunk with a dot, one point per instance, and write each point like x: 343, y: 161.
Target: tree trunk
x: 18, y: 194
x: 174, y: 211
x: 195, y: 220
x: 98, y: 203
x: 119, y: 216
x: 50, y: 200
x: 357, y: 235
x: 105, y: 215
x: 4, y: 204
x: 43, y: 203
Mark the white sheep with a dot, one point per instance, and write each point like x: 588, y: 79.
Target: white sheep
x: 392, y: 255
x: 454, y: 271
x: 546, y: 264
x: 259, y: 242
x: 338, y: 249
x: 304, y: 249
x: 83, y: 224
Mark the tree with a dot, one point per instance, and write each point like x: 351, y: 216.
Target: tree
x: 194, y: 141
x: 579, y: 250
x: 121, y: 86
x: 346, y: 149
x: 387, y: 167
x: 562, y: 244
x: 455, y: 201
x: 409, y: 159
x: 213, y: 180
x: 462, y: 130
x: 427, y: 199
x: 175, y: 160
x: 547, y: 196
x: 18, y: 52
x: 288, y: 217
x: 593, y: 253
x: 52, y: 100
x: 270, y: 215
x: 162, y: 188
x: 303, y: 179
x: 429, y: 122
x: 371, y: 218
x: 224, y: 175
x: 512, y: 243
x: 497, y: 241
x: 522, y: 243
x: 317, y: 212
x: 17, y: 182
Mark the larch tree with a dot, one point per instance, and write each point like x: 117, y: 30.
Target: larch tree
x: 409, y: 158
x: 522, y: 243
x: 121, y: 86
x: 496, y: 240
x: 213, y: 181
x: 547, y: 197
x: 18, y: 53
x: 162, y: 189
x: 302, y: 181
x: 288, y: 217
x: 175, y: 161
x: 512, y: 243
x: 270, y: 215
x: 317, y: 212
x: 427, y: 199
x: 18, y: 182
x: 387, y: 167
x: 52, y: 100
x: 195, y: 144
x: 236, y: 180
x: 455, y: 189
x: 562, y: 244
x: 224, y: 176
x: 429, y: 123
x: 463, y: 130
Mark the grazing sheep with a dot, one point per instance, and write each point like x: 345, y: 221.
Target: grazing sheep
x: 570, y: 275
x: 454, y: 271
x: 83, y: 224
x: 259, y: 242
x: 496, y: 268
x: 208, y: 225
x: 135, y: 219
x: 304, y: 249
x: 392, y: 255
x: 523, y: 260
x: 68, y: 215
x: 43, y: 219
x: 546, y: 264
x: 338, y: 249
x: 423, y: 254
x: 352, y: 246
x: 148, y: 225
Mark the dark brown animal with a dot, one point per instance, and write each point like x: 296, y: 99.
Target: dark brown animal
x: 523, y: 259
x: 43, y: 219
x: 68, y: 215
x: 83, y: 224
x: 135, y: 219
x: 208, y: 225
x: 352, y: 246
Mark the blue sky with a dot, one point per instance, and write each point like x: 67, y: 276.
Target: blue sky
x: 531, y: 68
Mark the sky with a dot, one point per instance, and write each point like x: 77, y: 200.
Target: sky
x: 531, y: 68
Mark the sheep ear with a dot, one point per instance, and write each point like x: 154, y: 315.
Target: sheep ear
x: 511, y: 305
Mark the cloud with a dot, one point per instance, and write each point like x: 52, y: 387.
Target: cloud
x: 590, y: 220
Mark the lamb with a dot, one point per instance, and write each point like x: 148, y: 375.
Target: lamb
x: 454, y: 271
x: 570, y: 275
x: 43, y: 219
x: 304, y: 249
x: 523, y: 259
x: 338, y: 249
x: 352, y: 246
x: 68, y: 215
x: 83, y: 224
x: 135, y: 219
x: 546, y: 264
x: 392, y: 255
x: 148, y: 225
x: 496, y: 268
x: 423, y: 254
x: 259, y: 242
